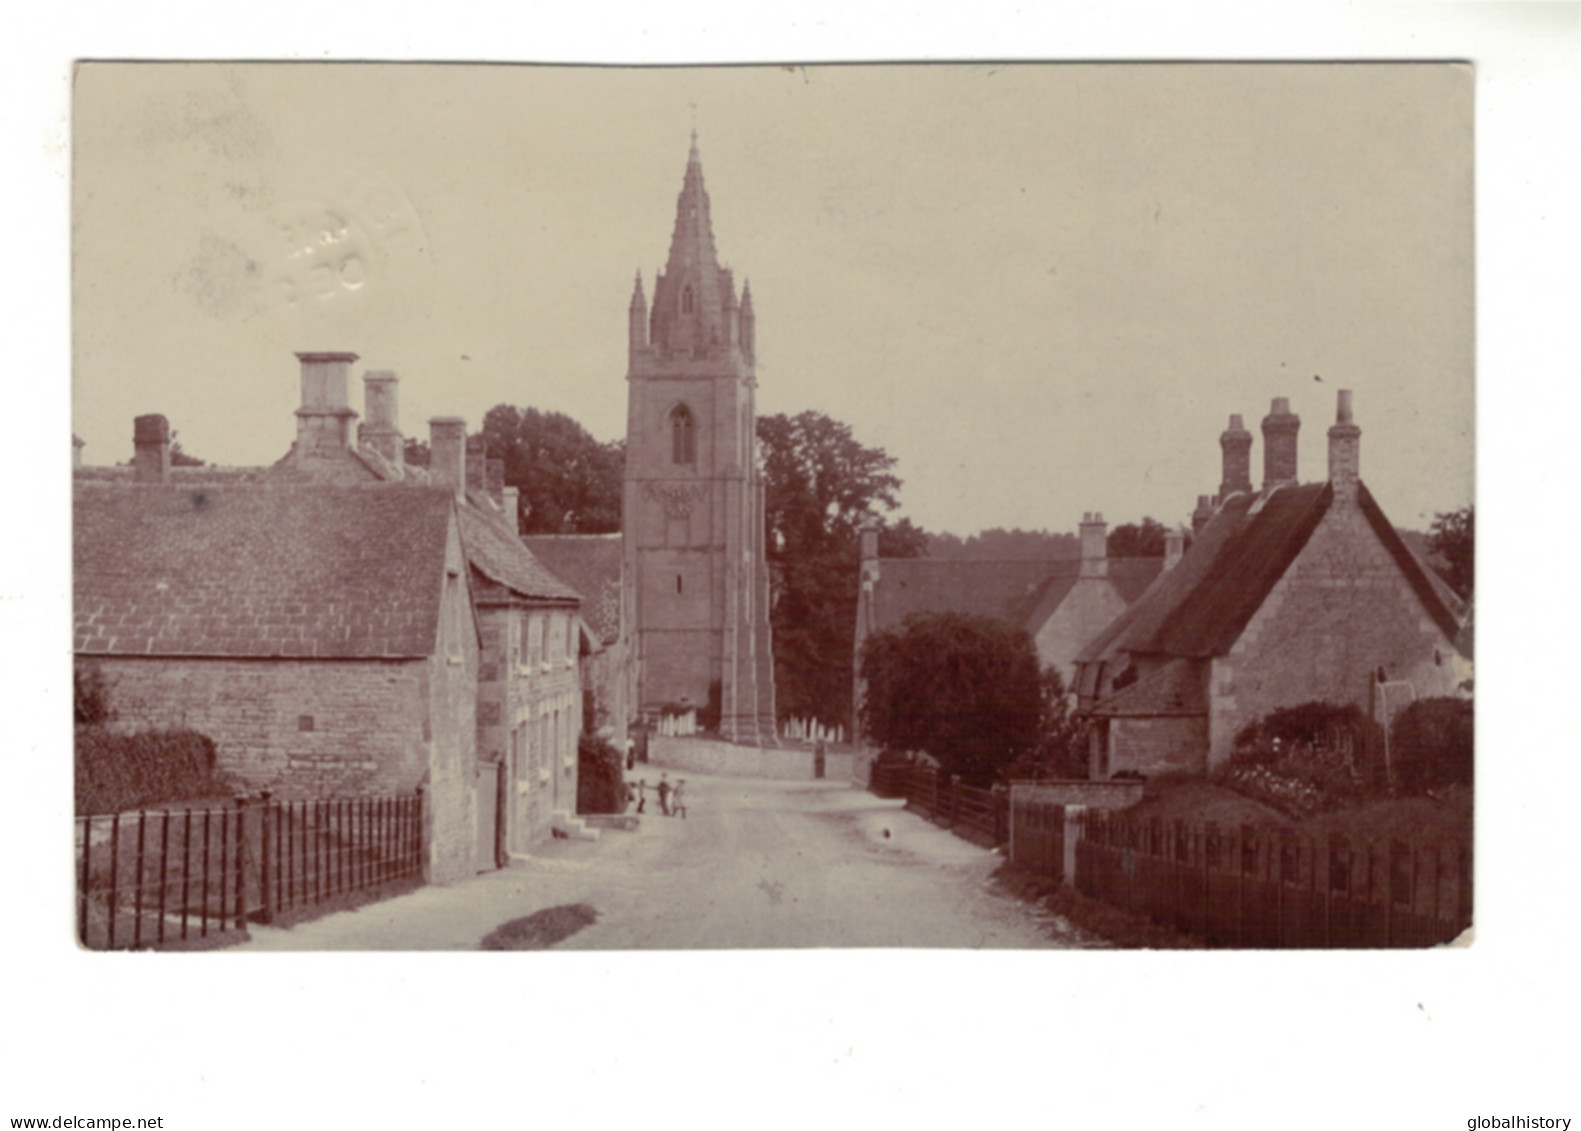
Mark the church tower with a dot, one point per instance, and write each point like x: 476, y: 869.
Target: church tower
x: 695, y: 577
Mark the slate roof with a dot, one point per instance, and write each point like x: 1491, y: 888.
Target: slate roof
x: 494, y: 550
x: 591, y: 563
x: 258, y: 571
x: 1201, y: 607
x: 1023, y: 592
x: 1174, y: 689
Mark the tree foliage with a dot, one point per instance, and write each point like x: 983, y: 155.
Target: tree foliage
x: 179, y: 458
x: 1138, y: 540
x: 569, y: 483
x: 967, y: 690
x: 1452, y: 546
x: 1433, y: 741
x: 821, y: 486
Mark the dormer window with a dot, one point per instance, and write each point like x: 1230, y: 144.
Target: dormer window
x: 686, y: 300
x: 683, y: 436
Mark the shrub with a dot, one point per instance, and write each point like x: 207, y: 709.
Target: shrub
x: 90, y: 695
x: 1432, y: 742
x: 116, y: 772
x: 600, y: 779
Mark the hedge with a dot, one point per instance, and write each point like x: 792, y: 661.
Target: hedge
x: 116, y: 772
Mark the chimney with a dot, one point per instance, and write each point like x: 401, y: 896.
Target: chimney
x: 380, y: 430
x: 447, y: 453
x: 1094, y: 545
x: 1174, y: 548
x: 1344, y: 451
x: 151, y: 448
x: 77, y: 444
x: 1236, y: 443
x: 512, y: 506
x: 867, y: 534
x: 1280, y: 428
x: 323, y: 423
x: 477, y: 457
x: 1203, y: 514
x: 494, y: 480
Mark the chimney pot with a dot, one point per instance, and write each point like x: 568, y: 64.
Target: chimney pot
x: 1174, y: 548
x: 512, y: 506
x: 1281, y: 427
x: 323, y: 422
x: 381, y: 431
x: 1344, y: 451
x: 1094, y: 545
x: 447, y: 453
x: 1236, y: 444
x: 151, y: 448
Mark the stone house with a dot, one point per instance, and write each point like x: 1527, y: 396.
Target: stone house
x: 1062, y: 603
x: 591, y: 564
x: 322, y: 636
x: 1294, y: 593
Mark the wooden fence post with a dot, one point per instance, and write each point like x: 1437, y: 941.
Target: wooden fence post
x: 241, y: 862
x: 264, y: 866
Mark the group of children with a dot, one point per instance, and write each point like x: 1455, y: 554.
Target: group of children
x: 672, y: 799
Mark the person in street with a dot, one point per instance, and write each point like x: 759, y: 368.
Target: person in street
x: 678, y: 800
x: 664, y: 795
x: 642, y: 794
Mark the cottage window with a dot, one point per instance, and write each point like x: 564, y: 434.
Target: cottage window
x: 534, y: 640
x: 683, y: 436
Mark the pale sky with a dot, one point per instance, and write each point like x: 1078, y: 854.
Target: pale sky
x: 1042, y: 288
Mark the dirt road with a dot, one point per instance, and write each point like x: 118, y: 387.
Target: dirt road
x: 755, y: 864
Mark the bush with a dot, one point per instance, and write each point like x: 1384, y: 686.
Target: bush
x: 1307, y: 758
x: 1432, y: 742
x: 91, y: 695
x: 600, y: 779
x: 116, y: 772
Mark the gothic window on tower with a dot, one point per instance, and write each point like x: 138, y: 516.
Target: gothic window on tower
x: 686, y: 300
x: 683, y: 436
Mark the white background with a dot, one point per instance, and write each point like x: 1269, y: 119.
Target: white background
x: 1420, y: 1040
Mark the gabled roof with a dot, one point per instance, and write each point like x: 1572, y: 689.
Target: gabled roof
x: 1023, y: 592
x: 494, y: 550
x: 258, y: 571
x: 1201, y: 607
x: 590, y: 563
x: 1174, y: 689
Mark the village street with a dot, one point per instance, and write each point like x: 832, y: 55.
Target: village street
x: 756, y: 864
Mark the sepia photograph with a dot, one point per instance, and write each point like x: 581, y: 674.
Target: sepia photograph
x: 967, y: 506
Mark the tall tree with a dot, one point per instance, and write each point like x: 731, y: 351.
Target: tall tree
x: 821, y: 485
x: 1133, y: 540
x: 967, y: 690
x: 569, y: 482
x: 1452, y: 544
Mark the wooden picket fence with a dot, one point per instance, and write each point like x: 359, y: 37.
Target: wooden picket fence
x: 1251, y: 887
x: 980, y: 815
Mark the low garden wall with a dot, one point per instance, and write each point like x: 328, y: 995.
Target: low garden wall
x: 701, y: 755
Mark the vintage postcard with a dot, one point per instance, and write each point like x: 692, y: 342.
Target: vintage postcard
x: 1000, y: 505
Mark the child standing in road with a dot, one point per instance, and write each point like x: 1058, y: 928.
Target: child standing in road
x: 664, y: 795
x: 678, y: 800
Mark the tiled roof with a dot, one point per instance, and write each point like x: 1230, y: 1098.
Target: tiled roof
x: 1174, y: 689
x: 258, y: 571
x: 1200, y: 607
x: 591, y: 563
x: 495, y: 551
x: 1023, y: 592
x: 190, y: 476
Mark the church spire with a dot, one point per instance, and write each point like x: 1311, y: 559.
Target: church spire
x: 691, y: 294
x: 638, y: 318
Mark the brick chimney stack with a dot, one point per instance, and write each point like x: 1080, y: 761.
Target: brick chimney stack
x: 494, y: 481
x: 868, y: 534
x: 1236, y: 443
x: 477, y: 460
x: 1280, y: 428
x: 323, y: 423
x: 1174, y: 548
x: 1344, y: 451
x: 151, y: 448
x: 380, y: 430
x: 511, y: 503
x: 1094, y: 545
x: 447, y: 453
x: 1203, y: 514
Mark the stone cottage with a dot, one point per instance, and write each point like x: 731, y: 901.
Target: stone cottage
x: 323, y: 636
x: 1293, y: 593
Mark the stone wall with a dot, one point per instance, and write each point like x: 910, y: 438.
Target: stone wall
x: 1169, y: 744
x: 1078, y: 791
x: 1090, y: 607
x: 702, y: 755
